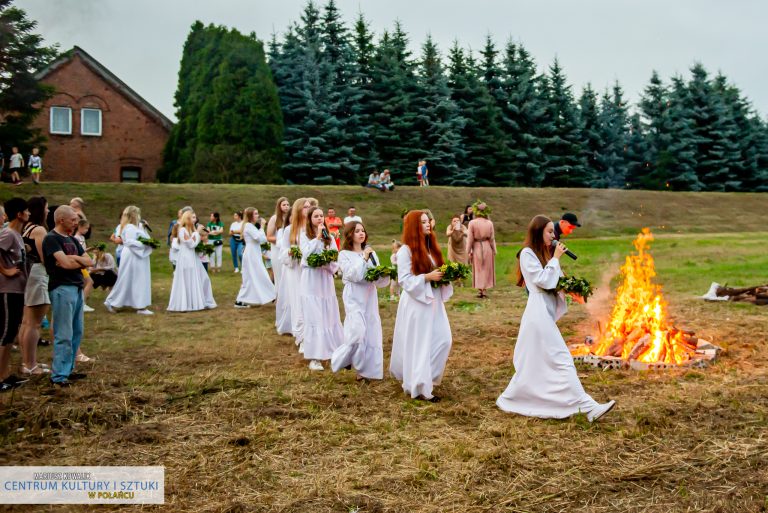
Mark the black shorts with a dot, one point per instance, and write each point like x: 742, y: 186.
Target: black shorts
x: 11, y: 312
x: 106, y: 279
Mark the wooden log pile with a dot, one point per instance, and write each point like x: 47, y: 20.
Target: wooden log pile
x: 757, y: 295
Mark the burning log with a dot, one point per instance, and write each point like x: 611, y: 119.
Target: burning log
x: 640, y: 347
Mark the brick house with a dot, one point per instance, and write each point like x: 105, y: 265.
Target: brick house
x: 98, y: 128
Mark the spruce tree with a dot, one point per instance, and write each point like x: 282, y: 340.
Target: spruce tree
x: 637, y: 154
x: 592, y: 145
x: 682, y: 152
x: 654, y: 107
x: 614, y: 125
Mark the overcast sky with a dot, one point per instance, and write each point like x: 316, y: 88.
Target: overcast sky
x: 597, y: 41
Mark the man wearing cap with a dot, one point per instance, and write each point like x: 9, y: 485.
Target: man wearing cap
x: 566, y: 225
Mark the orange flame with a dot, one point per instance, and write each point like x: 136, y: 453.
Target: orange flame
x: 638, y: 329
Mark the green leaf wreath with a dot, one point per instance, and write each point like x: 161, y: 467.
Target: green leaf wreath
x: 380, y: 271
x: 575, y: 285
x: 323, y: 258
x: 295, y: 253
x: 452, y: 271
x: 205, y: 249
x: 149, y: 241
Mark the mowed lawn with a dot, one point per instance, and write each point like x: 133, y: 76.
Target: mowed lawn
x: 240, y: 424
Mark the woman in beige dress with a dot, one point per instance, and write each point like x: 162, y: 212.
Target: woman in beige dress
x: 457, y: 241
x: 482, y: 250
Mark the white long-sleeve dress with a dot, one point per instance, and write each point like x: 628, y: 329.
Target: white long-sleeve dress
x: 362, y: 347
x: 282, y: 303
x: 322, y: 330
x: 292, y: 278
x: 545, y: 383
x: 191, y: 289
x: 274, y: 253
x: 133, y: 288
x: 422, y: 339
x: 257, y: 287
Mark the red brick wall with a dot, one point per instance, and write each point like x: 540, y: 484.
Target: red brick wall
x: 129, y: 137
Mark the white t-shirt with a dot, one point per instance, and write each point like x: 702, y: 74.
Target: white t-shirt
x: 352, y: 219
x: 235, y: 228
x: 16, y: 160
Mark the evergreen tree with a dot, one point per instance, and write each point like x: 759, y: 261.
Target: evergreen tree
x: 365, y: 154
x: 592, y: 144
x: 562, y: 149
x: 614, y: 125
x: 637, y: 154
x: 229, y: 125
x: 655, y: 109
x: 22, y: 54
x: 438, y: 122
x: 681, y: 163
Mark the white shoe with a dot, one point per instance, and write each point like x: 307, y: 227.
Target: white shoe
x: 87, y: 308
x: 145, y: 312
x: 301, y: 348
x: 109, y: 308
x: 315, y: 365
x: 600, y: 410
x: 237, y: 270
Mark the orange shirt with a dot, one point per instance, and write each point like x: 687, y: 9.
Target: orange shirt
x: 334, y: 224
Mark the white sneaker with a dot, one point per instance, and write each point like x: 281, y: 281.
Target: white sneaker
x: 301, y: 348
x: 109, y: 308
x: 237, y: 270
x: 315, y: 365
x: 145, y: 312
x: 600, y: 410
x: 87, y: 308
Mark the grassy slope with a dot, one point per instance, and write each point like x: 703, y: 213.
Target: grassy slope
x: 241, y: 425
x: 602, y: 212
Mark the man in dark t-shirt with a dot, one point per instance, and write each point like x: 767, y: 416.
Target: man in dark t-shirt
x: 64, y: 260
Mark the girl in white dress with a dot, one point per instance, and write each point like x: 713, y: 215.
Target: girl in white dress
x: 293, y: 269
x: 257, y: 288
x: 362, y: 348
x: 422, y: 339
x: 133, y: 288
x: 191, y: 289
x: 275, y: 223
x: 282, y: 260
x: 275, y: 228
x: 545, y: 383
x: 322, y: 323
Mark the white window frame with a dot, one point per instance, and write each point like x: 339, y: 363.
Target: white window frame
x: 69, y: 111
x: 82, y: 123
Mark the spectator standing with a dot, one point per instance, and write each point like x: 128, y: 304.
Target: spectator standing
x: 236, y: 245
x: 566, y: 225
x: 424, y: 173
x: 35, y: 165
x: 481, y: 243
x: 64, y: 260
x: 334, y: 224
x: 467, y: 216
x: 419, y: 177
x: 13, y: 281
x: 457, y: 241
x: 352, y: 216
x: 14, y: 166
x: 215, y: 236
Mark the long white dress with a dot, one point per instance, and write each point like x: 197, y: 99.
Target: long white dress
x: 133, y: 288
x: 545, y: 383
x: 292, y: 278
x: 191, y: 288
x: 322, y: 323
x: 274, y: 252
x: 422, y: 339
x: 257, y: 288
x: 282, y: 303
x: 362, y: 347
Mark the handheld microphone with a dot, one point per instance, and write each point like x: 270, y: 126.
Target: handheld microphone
x: 567, y: 251
x: 325, y: 234
x: 370, y: 257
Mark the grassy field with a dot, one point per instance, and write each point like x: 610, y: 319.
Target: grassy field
x: 241, y: 425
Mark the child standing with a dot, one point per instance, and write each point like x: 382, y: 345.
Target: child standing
x: 16, y: 163
x: 35, y: 165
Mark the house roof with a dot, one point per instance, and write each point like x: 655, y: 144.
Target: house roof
x: 111, y: 79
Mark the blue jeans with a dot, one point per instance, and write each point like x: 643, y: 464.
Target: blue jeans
x: 67, y: 308
x: 236, y: 247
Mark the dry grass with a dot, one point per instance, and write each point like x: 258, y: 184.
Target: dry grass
x: 241, y: 425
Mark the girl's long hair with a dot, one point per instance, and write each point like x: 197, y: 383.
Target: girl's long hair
x: 534, y: 239
x: 421, y: 246
x: 311, y: 229
x: 297, y: 220
x: 36, y: 207
x: 247, y: 218
x: 131, y: 215
x: 187, y: 222
x: 349, y: 235
x: 280, y: 219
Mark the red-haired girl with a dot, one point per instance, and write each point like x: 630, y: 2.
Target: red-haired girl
x: 422, y: 339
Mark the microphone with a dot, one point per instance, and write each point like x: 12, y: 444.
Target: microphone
x: 567, y: 251
x: 370, y: 257
x: 325, y: 234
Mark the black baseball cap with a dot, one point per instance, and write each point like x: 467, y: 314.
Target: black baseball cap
x: 571, y: 218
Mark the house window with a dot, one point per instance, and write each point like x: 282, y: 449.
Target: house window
x: 130, y: 174
x: 90, y: 122
x: 61, y: 120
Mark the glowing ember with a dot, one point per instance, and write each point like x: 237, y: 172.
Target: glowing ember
x: 638, y: 329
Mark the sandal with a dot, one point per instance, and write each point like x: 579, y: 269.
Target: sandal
x: 37, y: 370
x: 43, y: 342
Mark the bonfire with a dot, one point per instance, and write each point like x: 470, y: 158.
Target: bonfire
x: 638, y: 329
